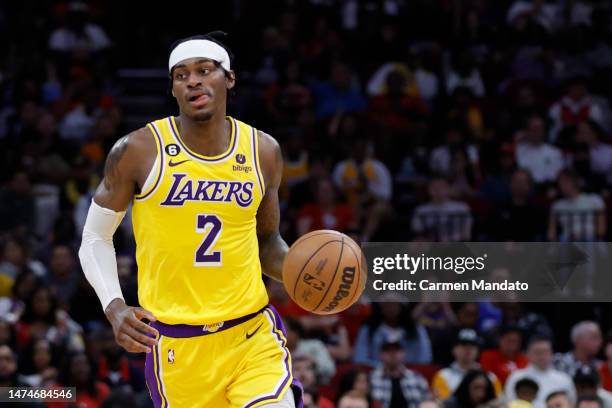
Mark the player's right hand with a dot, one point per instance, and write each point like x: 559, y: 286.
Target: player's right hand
x: 131, y: 332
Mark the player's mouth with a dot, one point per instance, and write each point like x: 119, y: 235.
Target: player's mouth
x: 198, y: 99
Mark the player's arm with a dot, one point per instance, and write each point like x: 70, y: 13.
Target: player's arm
x: 124, y: 167
x: 272, y: 247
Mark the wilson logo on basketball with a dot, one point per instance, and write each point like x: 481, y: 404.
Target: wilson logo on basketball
x: 348, y: 277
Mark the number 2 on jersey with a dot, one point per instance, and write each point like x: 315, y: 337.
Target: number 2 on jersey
x: 211, y: 226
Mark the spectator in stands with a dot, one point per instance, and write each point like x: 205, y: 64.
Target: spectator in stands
x: 587, y: 340
x: 17, y: 258
x: 465, y: 353
x: 17, y: 205
x: 521, y: 218
x: 78, y: 34
x: 575, y: 106
x: 8, y: 368
x: 580, y: 216
x: 605, y: 368
x: 310, y: 398
x: 600, y: 151
x: 314, y: 348
x: 588, y: 384
x: 430, y: 403
x: 526, y: 390
x: 339, y: 94
x: 395, y: 100
x: 507, y: 357
x: 558, y: 399
x: 441, y: 158
x: 114, y: 367
x: 440, y: 321
x: 541, y: 370
x: 7, y: 334
x: 355, y: 380
x: 542, y: 160
x: 366, y: 182
x: 498, y: 172
x: 353, y: 399
x: 393, y: 385
x: 474, y: 390
x: 390, y: 322
x: 37, y: 367
x: 304, y: 371
x: 12, y: 307
x: 531, y: 323
x: 464, y: 73
x: 77, y: 372
x: 325, y: 213
x: 43, y: 319
x: 442, y: 219
x: 590, y: 402
x: 63, y: 276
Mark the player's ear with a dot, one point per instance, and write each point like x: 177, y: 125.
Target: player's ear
x: 230, y: 79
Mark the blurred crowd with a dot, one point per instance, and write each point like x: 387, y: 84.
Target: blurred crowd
x: 449, y: 120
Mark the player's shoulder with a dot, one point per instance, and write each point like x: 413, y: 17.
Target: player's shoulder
x: 267, y: 143
x: 131, y: 149
x: 270, y: 157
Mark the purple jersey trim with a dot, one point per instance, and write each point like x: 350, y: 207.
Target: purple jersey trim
x: 234, y: 136
x: 180, y: 331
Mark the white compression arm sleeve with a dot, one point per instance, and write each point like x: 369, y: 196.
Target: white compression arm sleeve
x: 97, y: 253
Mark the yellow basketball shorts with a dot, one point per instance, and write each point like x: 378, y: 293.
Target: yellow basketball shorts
x: 238, y: 363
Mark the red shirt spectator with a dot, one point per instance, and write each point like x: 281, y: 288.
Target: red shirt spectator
x: 507, y: 357
x: 326, y: 213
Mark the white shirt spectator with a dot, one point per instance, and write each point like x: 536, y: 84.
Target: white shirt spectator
x: 601, y: 160
x: 543, y: 161
x: 76, y: 125
x: 577, y: 216
x: 92, y: 39
x: 473, y: 83
x: 449, y: 221
x: 547, y: 15
x: 440, y: 158
x: 556, y: 113
x: 316, y: 350
x: 548, y: 381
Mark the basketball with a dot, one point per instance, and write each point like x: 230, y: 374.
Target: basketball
x: 324, y: 272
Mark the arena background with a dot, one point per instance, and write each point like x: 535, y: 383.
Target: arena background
x: 399, y: 120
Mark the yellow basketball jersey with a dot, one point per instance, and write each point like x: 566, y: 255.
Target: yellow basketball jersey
x: 195, y: 228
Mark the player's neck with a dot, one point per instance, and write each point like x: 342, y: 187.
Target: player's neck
x: 208, y: 138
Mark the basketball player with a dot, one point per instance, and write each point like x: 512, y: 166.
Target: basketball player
x: 203, y: 188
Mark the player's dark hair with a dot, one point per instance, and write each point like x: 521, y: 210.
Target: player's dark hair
x: 526, y: 383
x: 214, y: 36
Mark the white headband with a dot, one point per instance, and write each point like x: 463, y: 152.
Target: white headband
x: 199, y: 48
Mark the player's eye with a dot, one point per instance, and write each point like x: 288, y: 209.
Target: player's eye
x: 205, y: 71
x: 181, y: 75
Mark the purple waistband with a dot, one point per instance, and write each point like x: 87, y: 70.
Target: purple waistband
x: 188, y: 330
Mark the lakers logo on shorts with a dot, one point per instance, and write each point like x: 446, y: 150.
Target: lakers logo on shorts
x: 211, y: 328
